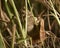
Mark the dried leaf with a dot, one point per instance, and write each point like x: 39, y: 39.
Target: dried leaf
x: 42, y: 31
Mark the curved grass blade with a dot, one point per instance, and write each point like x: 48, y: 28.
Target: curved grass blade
x: 2, y: 44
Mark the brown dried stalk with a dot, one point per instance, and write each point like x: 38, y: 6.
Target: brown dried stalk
x: 42, y: 31
x: 5, y: 18
x: 13, y: 36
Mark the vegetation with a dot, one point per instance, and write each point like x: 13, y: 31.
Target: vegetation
x: 30, y: 24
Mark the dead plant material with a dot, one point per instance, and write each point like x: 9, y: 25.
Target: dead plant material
x: 13, y: 36
x: 5, y: 19
x: 42, y: 31
x: 4, y: 16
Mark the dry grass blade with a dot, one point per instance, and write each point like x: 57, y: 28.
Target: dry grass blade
x: 13, y: 36
x: 4, y: 17
x: 42, y: 31
x: 55, y: 13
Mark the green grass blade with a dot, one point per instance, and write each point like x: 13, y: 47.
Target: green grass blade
x: 2, y: 44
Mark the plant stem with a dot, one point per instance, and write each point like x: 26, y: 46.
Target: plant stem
x: 26, y: 16
x: 18, y: 19
x: 2, y: 44
x: 8, y: 10
x: 13, y: 36
x: 10, y: 15
x: 31, y: 9
x: 54, y: 12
